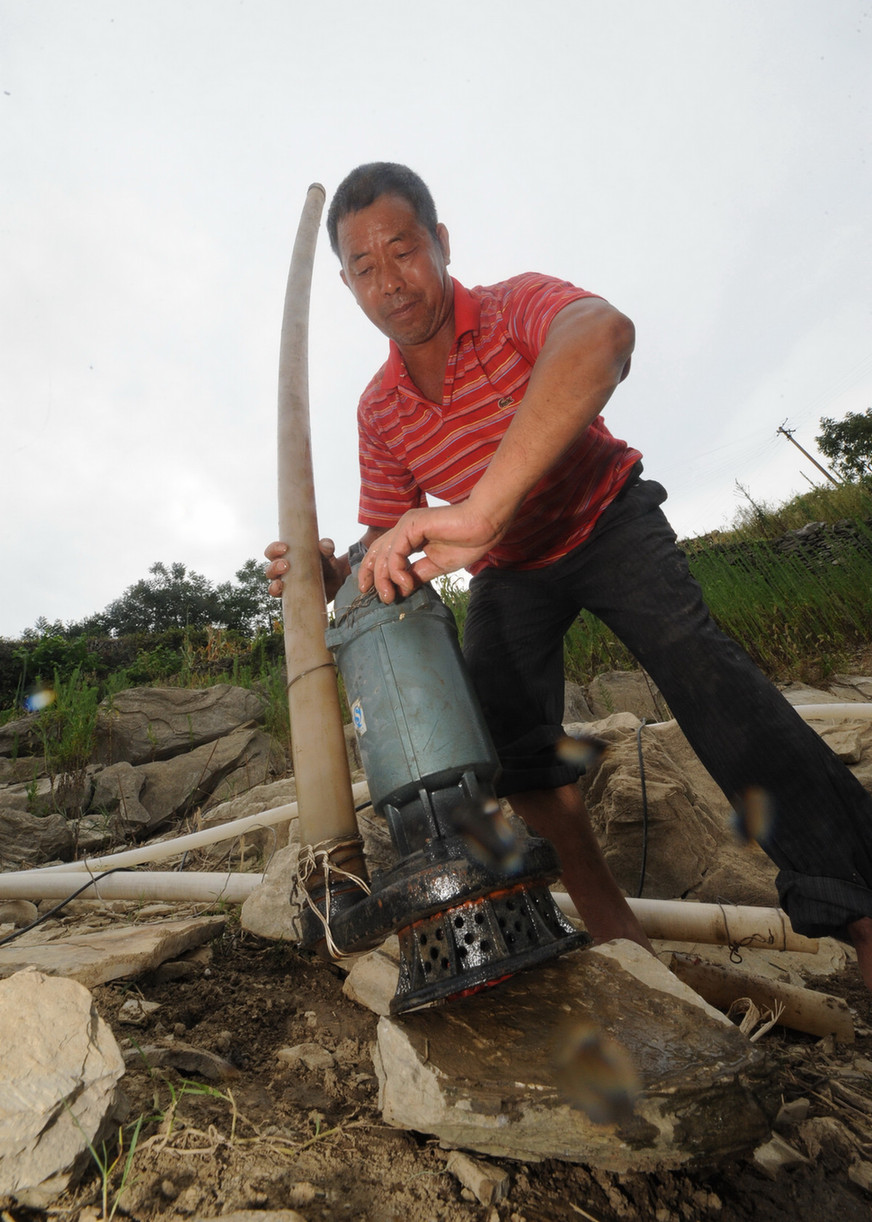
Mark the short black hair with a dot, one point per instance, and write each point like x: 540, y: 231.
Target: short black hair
x: 363, y: 187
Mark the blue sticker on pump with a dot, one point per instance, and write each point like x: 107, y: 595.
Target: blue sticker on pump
x: 358, y: 718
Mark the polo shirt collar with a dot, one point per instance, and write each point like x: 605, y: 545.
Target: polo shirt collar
x: 467, y: 315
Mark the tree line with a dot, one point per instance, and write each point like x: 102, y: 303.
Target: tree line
x: 847, y: 443
x: 172, y: 625
x: 173, y: 596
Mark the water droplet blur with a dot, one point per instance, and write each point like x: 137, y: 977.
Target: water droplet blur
x: 752, y: 816
x: 487, y: 834
x: 595, y: 1073
x: 36, y: 701
x: 583, y: 751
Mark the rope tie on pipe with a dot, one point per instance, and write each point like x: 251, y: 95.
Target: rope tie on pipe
x: 313, y: 859
x: 310, y: 671
x: 736, y: 945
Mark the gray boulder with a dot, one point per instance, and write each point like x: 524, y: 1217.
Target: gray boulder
x: 111, y: 954
x: 626, y: 691
x: 145, y: 724
x: 132, y: 802
x: 620, y: 1069
x: 273, y: 909
x: 116, y: 798
x: 691, y: 847
x: 267, y: 841
x: 682, y: 832
x: 851, y: 740
x: 21, y: 769
x: 216, y: 771
x: 58, y: 1085
x: 575, y: 706
x: 20, y: 737
x: 27, y: 840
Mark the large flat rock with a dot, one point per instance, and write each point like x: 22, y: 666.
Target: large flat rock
x: 490, y: 1073
x: 111, y: 954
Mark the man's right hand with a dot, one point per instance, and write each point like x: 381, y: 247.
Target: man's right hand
x: 334, y: 568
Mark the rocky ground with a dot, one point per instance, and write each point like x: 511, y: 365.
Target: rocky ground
x: 241, y: 1128
x: 250, y: 1086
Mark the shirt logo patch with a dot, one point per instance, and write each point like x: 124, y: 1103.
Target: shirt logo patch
x: 506, y: 402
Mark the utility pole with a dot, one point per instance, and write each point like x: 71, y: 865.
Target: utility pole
x: 788, y: 433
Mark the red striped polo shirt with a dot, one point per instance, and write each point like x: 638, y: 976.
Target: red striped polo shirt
x: 410, y: 446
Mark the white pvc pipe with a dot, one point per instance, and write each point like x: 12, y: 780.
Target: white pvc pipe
x: 148, y: 854
x: 665, y: 920
x: 172, y: 886
x: 717, y: 924
x: 860, y: 709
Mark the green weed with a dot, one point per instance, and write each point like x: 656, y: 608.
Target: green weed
x: 277, y: 721
x: 107, y: 1165
x: 455, y: 595
x: 32, y: 792
x: 68, y: 729
x: 791, y: 611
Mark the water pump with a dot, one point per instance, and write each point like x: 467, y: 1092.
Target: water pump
x: 468, y: 896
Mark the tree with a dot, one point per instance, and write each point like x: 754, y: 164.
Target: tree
x: 171, y: 598
x: 847, y: 444
x: 248, y: 607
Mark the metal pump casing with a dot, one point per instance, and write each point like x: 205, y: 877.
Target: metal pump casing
x: 468, y: 897
x: 414, y: 711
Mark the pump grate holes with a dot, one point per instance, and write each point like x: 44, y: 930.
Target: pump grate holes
x: 458, y: 951
x: 454, y: 944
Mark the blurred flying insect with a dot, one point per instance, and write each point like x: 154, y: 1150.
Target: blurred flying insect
x: 487, y: 834
x: 752, y: 816
x: 595, y: 1073
x: 583, y: 751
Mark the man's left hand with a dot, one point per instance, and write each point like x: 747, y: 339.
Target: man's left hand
x: 451, y: 537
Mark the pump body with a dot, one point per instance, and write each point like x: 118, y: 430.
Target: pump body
x: 468, y: 897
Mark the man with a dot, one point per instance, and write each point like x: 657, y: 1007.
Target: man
x: 491, y: 400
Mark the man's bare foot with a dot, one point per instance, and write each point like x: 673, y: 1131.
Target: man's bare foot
x: 860, y: 933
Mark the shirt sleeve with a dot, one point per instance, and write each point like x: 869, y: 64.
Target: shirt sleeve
x: 530, y: 305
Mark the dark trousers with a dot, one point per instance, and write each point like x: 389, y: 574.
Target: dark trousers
x: 631, y: 575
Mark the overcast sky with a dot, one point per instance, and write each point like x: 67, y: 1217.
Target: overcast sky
x: 703, y: 164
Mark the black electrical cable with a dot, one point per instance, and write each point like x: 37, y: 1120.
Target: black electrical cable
x: 644, y: 862
x: 57, y: 908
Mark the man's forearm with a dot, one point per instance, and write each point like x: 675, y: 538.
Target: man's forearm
x: 585, y: 356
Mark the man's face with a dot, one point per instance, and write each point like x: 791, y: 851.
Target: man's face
x: 397, y: 270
